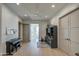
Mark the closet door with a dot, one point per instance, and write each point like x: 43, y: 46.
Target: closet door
x: 61, y: 35
x: 75, y: 31
x: 26, y: 33
x: 64, y: 34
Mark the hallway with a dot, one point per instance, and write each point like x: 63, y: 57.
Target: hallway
x: 31, y: 49
x: 58, y: 26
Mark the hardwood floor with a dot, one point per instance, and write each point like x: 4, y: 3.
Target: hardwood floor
x: 31, y: 49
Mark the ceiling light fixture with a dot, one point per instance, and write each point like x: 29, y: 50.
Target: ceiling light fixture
x: 53, y: 6
x: 25, y: 15
x: 37, y: 11
x: 35, y: 15
x: 46, y: 16
x: 17, y: 3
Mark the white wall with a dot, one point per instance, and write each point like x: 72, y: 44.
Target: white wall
x: 65, y: 10
x: 42, y: 29
x: 0, y: 28
x: 8, y: 20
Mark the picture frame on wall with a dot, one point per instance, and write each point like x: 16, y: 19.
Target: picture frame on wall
x: 10, y: 31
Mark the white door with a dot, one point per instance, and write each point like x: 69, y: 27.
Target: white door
x: 65, y: 34
x: 75, y: 31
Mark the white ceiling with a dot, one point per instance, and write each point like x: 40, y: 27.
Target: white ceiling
x: 36, y: 11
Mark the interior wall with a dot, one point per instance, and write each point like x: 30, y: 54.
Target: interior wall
x: 42, y: 27
x: 8, y: 20
x: 42, y: 30
x: 65, y: 10
x: 0, y: 28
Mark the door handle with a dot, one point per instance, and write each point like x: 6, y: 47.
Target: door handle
x: 67, y: 39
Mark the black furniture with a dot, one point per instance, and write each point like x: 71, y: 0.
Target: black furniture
x: 51, y: 36
x: 12, y: 45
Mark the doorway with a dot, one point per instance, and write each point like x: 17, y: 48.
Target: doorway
x: 34, y: 33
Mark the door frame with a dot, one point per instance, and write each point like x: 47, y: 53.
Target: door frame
x: 28, y: 33
x: 20, y: 30
x: 19, y: 25
x: 59, y: 32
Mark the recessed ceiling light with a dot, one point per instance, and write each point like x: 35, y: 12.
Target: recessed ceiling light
x: 37, y: 11
x: 25, y: 15
x: 46, y: 16
x: 53, y: 6
x: 17, y: 3
x: 35, y: 15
